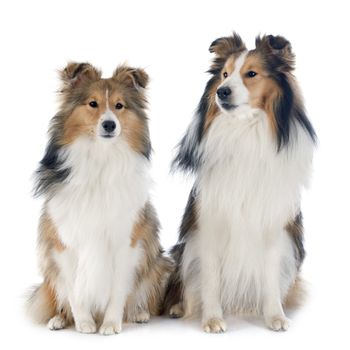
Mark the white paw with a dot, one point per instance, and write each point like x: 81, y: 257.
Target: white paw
x: 87, y: 326
x: 176, y: 311
x: 277, y: 323
x: 110, y: 328
x: 214, y: 325
x: 57, y: 322
x: 142, y: 317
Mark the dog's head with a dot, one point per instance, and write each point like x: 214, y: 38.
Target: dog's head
x: 258, y: 78
x: 104, y: 109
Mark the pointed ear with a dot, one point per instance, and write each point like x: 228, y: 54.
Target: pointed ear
x: 277, y: 46
x: 225, y: 46
x: 77, y: 73
x: 133, y: 77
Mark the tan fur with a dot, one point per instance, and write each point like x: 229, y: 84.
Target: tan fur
x: 296, y: 295
x: 213, y: 108
x: 263, y: 91
x: 153, y: 270
x: 132, y: 129
x: 42, y: 304
x: 140, y: 230
x: 49, y: 233
x: 229, y: 66
x: 83, y: 119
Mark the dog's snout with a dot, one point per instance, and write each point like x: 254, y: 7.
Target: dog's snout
x: 109, y: 125
x: 223, y: 92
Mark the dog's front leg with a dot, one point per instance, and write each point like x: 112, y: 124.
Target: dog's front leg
x: 123, y: 278
x: 212, y: 315
x: 273, y: 312
x: 80, y: 305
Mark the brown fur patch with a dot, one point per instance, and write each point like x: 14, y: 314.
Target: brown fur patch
x: 49, y: 233
x: 49, y: 295
x: 213, y: 108
x: 43, y: 303
x: 229, y: 66
x: 154, y: 268
x: 133, y: 128
x: 263, y: 91
x: 296, y: 232
x: 140, y: 230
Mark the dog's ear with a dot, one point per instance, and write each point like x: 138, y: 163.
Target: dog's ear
x: 225, y: 46
x: 76, y: 74
x: 279, y: 44
x: 279, y: 47
x: 140, y: 76
x: 132, y: 77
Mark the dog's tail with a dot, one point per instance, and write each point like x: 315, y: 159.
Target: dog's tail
x: 41, y: 303
x: 174, y: 289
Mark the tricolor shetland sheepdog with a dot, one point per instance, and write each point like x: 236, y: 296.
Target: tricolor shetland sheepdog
x: 100, y: 254
x: 250, y: 146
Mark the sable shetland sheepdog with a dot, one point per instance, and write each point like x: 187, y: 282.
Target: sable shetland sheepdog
x: 250, y: 145
x: 98, y: 235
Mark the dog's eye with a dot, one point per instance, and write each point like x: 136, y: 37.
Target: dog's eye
x: 225, y: 75
x: 93, y: 104
x: 251, y: 74
x: 119, y: 106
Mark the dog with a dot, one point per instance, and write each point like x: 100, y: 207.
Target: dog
x: 250, y: 146
x: 99, y: 250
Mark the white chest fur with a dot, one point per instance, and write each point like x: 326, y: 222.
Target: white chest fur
x: 94, y: 212
x: 245, y: 177
x: 108, y: 185
x: 247, y: 193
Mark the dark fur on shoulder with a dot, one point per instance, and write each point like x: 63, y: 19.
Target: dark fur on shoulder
x: 296, y: 232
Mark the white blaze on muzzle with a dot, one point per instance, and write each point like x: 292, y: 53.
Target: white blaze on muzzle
x: 239, y: 93
x: 107, y: 119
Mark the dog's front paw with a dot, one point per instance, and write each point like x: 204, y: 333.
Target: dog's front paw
x: 110, y: 328
x: 214, y: 325
x: 57, y: 322
x: 86, y: 326
x: 277, y: 323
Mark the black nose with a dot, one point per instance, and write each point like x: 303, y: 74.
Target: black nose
x: 224, y: 92
x: 109, y: 125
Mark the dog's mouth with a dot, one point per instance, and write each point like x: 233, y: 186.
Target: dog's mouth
x: 227, y: 106
x: 108, y: 136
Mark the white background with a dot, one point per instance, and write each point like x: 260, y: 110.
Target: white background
x: 171, y: 40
